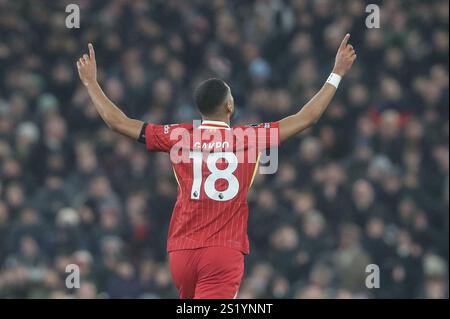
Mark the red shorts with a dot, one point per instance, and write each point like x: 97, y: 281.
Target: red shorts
x: 207, y: 273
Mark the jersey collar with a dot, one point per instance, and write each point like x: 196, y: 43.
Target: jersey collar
x: 208, y: 124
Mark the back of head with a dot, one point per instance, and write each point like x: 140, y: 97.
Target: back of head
x: 210, y: 95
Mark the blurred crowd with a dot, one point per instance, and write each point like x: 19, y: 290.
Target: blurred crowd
x: 369, y: 184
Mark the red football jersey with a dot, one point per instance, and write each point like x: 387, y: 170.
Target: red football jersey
x: 214, y: 165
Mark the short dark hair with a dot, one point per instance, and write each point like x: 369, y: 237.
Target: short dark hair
x: 209, y: 95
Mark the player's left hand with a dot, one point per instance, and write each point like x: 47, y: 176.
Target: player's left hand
x: 87, y: 67
x: 345, y: 57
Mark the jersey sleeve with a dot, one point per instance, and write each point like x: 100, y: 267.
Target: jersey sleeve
x: 157, y: 138
x: 267, y: 135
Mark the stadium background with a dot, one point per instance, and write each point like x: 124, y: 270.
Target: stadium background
x: 368, y: 184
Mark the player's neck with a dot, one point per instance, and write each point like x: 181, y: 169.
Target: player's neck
x: 217, y: 119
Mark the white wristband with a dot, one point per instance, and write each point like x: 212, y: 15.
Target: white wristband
x: 334, y: 79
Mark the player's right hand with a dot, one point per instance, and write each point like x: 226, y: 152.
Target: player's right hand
x: 87, y: 67
x: 345, y: 57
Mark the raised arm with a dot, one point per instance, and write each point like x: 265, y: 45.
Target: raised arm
x: 311, y: 112
x: 110, y: 113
